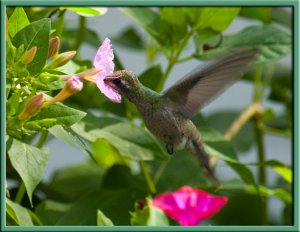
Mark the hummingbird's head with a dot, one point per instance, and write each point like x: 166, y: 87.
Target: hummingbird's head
x: 123, y: 81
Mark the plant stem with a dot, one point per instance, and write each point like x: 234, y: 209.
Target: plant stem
x: 258, y: 120
x: 81, y: 33
x: 22, y: 189
x: 43, y: 137
x: 20, y: 193
x: 147, y: 176
x: 173, y: 60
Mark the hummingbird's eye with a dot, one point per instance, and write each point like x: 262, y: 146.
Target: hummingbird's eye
x: 117, y: 81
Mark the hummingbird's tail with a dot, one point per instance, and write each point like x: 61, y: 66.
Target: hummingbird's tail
x: 198, y: 149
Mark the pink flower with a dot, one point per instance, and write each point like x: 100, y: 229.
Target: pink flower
x: 104, y: 61
x: 189, y: 206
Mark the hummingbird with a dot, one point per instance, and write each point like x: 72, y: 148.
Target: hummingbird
x: 168, y: 114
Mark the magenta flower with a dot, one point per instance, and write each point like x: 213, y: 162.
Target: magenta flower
x: 189, y: 206
x: 104, y: 62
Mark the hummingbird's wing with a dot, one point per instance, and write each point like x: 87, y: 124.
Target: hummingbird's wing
x: 200, y: 87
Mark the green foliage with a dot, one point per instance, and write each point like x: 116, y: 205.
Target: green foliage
x: 148, y: 215
x: 35, y: 34
x: 126, y: 163
x: 30, y: 163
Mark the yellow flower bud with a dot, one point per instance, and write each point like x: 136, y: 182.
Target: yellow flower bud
x: 32, y: 106
x: 72, y: 86
x: 29, y: 55
x: 54, y: 45
x: 62, y: 59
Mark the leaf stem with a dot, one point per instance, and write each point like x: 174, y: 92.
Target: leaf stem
x: 81, y: 33
x: 147, y: 176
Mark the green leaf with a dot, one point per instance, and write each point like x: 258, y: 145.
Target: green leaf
x: 147, y: 18
x: 284, y: 171
x: 72, y: 182
x: 105, y: 154
x: 261, y: 13
x: 69, y: 137
x: 273, y: 43
x: 18, y: 214
x: 35, y: 34
x: 148, y: 215
x: 215, y: 18
x: 121, y: 177
x: 17, y: 21
x: 87, y: 11
x: 150, y: 78
x: 50, y: 211
x: 57, y: 114
x: 30, y: 163
x: 222, y: 120
x: 132, y: 141
x: 130, y: 38
x: 172, y: 29
x: 83, y: 211
x: 102, y: 220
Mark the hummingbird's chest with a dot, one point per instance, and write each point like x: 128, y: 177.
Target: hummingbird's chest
x: 168, y: 126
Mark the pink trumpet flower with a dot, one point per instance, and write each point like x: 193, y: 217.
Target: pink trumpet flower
x: 189, y: 206
x: 104, y: 62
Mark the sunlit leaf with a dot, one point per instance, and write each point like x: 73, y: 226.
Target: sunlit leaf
x: 17, y: 21
x: 102, y: 220
x: 18, y: 214
x: 87, y: 11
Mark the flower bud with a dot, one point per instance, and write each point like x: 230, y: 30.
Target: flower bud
x: 54, y: 45
x: 87, y: 75
x: 29, y: 55
x: 47, y: 78
x: 62, y: 59
x: 32, y: 106
x: 72, y: 86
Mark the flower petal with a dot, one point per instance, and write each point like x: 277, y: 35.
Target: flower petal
x: 109, y: 92
x: 104, y: 58
x: 189, y: 206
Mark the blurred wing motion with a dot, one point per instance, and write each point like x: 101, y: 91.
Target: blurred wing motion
x: 201, y: 86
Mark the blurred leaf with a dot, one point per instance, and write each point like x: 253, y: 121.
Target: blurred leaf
x: 90, y: 37
x: 17, y: 21
x: 83, y: 211
x: 150, y: 78
x: 87, y: 11
x: 72, y: 182
x: 50, y: 211
x: 35, y: 34
x: 102, y: 220
x: 146, y: 18
x: 182, y: 169
x: 284, y: 171
x: 148, y: 215
x: 222, y: 120
x: 120, y: 177
x: 105, y: 154
x: 69, y: 137
x: 18, y: 214
x: 215, y: 18
x: 89, y: 124
x: 261, y: 13
x: 283, y: 16
x: 30, y: 163
x: 130, y: 38
x: 57, y: 114
x: 272, y: 42
x: 172, y: 29
x: 131, y: 141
